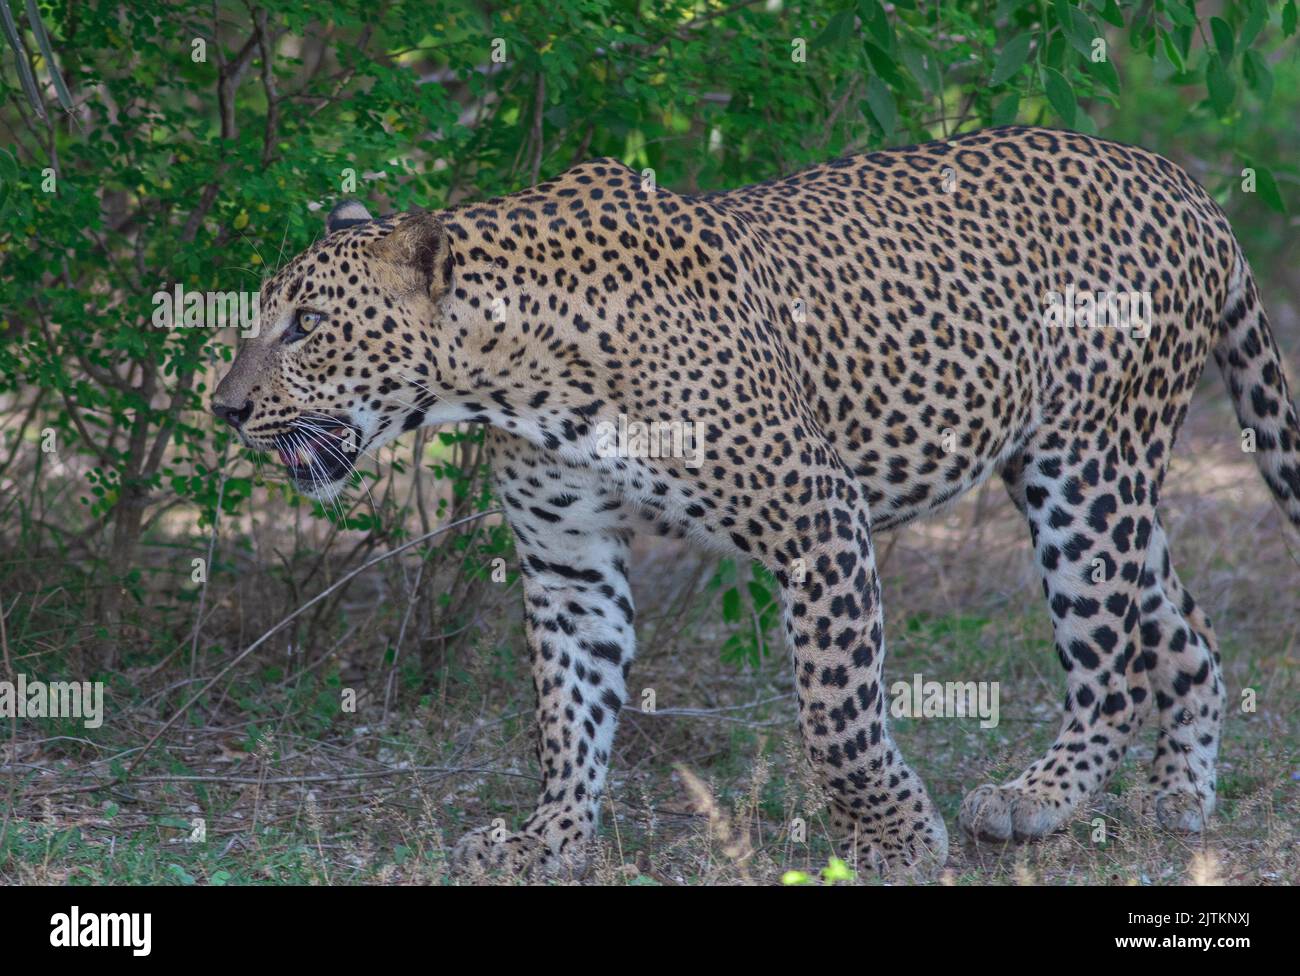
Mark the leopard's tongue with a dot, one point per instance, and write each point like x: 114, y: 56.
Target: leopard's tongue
x: 300, y: 457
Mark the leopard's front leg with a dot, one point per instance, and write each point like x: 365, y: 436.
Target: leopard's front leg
x: 578, y: 621
x: 880, y: 813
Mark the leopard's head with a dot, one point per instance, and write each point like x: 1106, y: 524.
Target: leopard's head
x: 349, y: 351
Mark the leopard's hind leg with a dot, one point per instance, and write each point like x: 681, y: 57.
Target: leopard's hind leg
x: 1089, y: 497
x: 1181, y: 652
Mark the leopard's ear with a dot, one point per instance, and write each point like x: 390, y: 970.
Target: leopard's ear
x: 418, y: 241
x: 346, y: 213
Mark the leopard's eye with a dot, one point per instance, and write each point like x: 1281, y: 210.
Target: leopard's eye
x: 303, y: 322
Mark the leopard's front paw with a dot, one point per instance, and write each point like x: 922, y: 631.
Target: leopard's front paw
x: 526, y: 855
x: 909, y: 844
x: 1010, y: 812
x: 1180, y: 812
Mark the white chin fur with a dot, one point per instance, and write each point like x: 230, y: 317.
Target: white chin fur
x: 322, y: 492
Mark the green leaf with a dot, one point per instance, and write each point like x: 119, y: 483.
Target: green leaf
x: 915, y: 61
x: 1061, y: 9
x: 837, y: 870
x: 731, y: 606
x: 1266, y: 187
x: 1288, y: 18
x: 1223, y: 37
x: 1219, y: 82
x: 884, y: 65
x: 24, y: 67
x: 1012, y: 59
x: 1104, y: 72
x: 1053, y: 53
x: 1060, y: 95
x: 1258, y: 75
x: 934, y: 75
x: 837, y: 30
x: 43, y: 42
x: 1171, y: 51
x: 1005, y: 111
x: 877, y: 23
x: 881, y: 102
x: 1111, y: 13
x: 1255, y: 21
x: 1077, y: 26
x: 1180, y: 15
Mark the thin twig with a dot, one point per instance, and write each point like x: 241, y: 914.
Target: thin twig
x: 207, y: 565
x: 294, y: 616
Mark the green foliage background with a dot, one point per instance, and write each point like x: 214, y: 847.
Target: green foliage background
x: 172, y: 167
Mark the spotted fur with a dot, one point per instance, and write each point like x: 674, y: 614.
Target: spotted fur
x: 859, y: 343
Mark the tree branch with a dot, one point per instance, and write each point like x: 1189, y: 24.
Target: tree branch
x: 229, y: 75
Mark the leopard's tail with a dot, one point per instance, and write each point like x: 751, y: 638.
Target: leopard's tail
x: 1251, y: 365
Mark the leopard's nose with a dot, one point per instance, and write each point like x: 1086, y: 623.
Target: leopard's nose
x: 232, y: 415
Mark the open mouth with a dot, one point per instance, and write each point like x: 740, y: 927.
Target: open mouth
x: 319, y: 450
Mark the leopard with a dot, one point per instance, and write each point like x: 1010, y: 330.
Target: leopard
x: 852, y: 347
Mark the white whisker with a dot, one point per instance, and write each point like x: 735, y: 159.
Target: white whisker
x: 420, y: 386
x: 326, y: 440
x: 313, y: 467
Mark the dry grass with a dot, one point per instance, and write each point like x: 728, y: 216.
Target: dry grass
x: 712, y: 788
